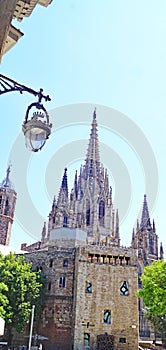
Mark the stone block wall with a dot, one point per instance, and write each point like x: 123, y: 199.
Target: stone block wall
x: 90, y: 297
x: 5, y: 229
x: 56, y: 320
x: 110, y: 305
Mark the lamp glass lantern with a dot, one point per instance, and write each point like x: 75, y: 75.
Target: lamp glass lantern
x: 36, y: 128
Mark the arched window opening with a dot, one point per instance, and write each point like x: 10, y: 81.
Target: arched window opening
x: 87, y: 212
x: 101, y: 212
x: 6, y: 207
x: 151, y: 244
x: 65, y: 221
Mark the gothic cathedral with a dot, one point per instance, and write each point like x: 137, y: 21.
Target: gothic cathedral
x: 90, y: 300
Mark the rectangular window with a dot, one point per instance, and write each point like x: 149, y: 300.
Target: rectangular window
x: 88, y: 288
x: 65, y: 263
x: 51, y: 263
x: 107, y: 316
x: 49, y: 286
x: 124, y: 288
x: 122, y: 340
x: 62, y: 282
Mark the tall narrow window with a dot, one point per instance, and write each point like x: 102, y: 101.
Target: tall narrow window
x: 62, y: 282
x: 86, y: 340
x: 6, y: 207
x: 65, y: 221
x: 87, y: 212
x: 107, y: 316
x: 51, y: 263
x: 101, y: 212
x: 151, y: 244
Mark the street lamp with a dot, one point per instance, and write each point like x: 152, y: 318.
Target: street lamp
x: 36, y: 126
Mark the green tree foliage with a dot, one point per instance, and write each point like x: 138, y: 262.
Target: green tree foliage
x: 3, y: 299
x: 154, y: 295
x: 22, y: 288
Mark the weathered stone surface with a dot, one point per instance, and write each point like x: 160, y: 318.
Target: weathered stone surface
x: 70, y: 311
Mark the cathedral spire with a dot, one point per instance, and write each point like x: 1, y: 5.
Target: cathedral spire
x: 92, y: 160
x: 145, y: 220
x: 63, y: 193
x: 75, y: 185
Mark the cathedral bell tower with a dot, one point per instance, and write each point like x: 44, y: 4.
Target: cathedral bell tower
x: 7, y: 207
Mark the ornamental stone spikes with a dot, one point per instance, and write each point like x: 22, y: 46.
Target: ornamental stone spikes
x: 63, y: 193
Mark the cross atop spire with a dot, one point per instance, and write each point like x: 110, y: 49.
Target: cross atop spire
x: 145, y: 220
x: 6, y: 183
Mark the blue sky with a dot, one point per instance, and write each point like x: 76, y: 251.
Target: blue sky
x: 108, y: 54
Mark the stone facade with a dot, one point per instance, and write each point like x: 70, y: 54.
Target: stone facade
x: 91, y: 280
x: 91, y: 291
x: 105, y: 297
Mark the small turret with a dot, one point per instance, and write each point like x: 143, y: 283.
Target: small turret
x: 133, y: 239
x: 161, y: 251
x: 43, y: 236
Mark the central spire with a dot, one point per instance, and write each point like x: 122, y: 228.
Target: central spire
x: 145, y: 220
x: 92, y: 160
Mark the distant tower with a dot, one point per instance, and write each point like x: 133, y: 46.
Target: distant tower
x: 145, y: 239
x: 7, y: 207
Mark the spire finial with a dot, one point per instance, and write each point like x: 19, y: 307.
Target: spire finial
x: 8, y: 172
x: 161, y: 251
x: 94, y: 114
x: 6, y: 183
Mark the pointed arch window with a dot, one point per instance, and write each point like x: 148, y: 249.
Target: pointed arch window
x: 87, y: 212
x: 6, y: 207
x: 151, y: 244
x: 65, y: 221
x: 101, y: 211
